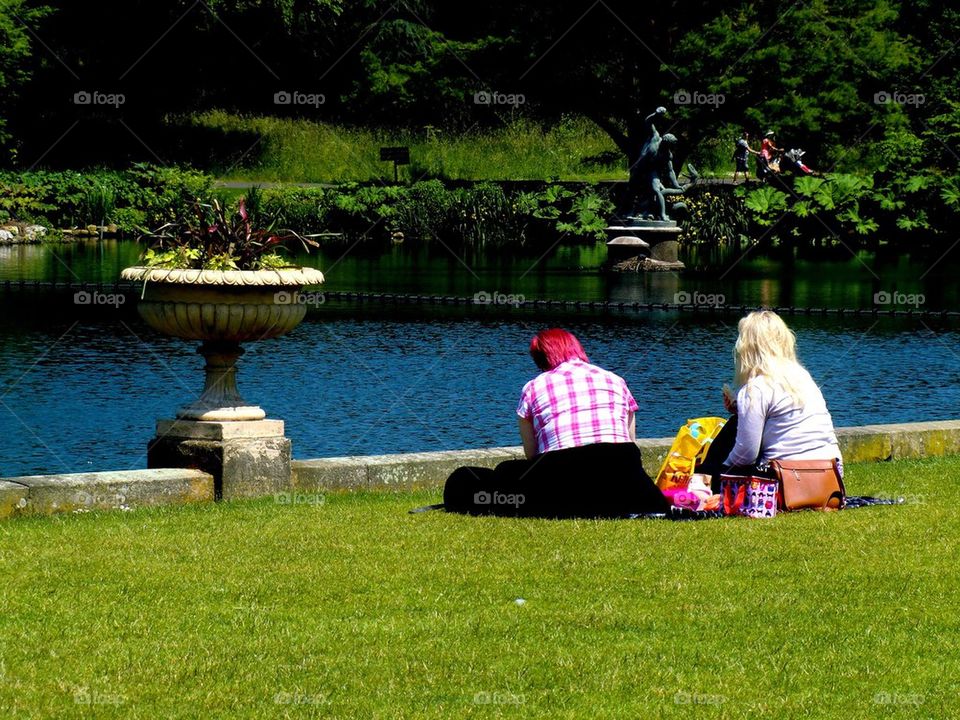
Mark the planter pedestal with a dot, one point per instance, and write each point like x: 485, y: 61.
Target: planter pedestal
x: 220, y: 399
x: 219, y: 432
x: 246, y: 458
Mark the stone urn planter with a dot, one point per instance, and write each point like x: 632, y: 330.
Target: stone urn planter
x: 222, y: 309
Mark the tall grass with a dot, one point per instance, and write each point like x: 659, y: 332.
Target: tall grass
x: 307, y: 151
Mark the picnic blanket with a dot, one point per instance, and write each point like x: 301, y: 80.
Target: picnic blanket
x: 677, y: 513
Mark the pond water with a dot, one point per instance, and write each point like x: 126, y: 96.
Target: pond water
x: 81, y: 388
x: 833, y: 277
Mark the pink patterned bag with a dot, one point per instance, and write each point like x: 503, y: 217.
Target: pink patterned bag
x: 750, y: 496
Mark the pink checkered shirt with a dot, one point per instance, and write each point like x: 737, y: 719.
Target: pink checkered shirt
x: 577, y: 404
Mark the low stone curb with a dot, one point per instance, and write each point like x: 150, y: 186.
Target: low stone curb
x: 49, y: 494
x: 410, y: 471
x: 401, y: 472
x: 121, y: 490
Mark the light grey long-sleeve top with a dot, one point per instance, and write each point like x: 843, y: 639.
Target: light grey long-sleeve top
x: 772, y: 426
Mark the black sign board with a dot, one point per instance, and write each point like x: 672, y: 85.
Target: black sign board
x: 400, y: 155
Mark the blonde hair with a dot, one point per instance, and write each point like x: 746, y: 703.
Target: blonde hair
x: 767, y: 348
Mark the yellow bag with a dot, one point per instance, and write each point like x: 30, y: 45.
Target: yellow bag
x: 689, y: 447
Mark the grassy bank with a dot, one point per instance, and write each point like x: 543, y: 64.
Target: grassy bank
x: 306, y: 151
x: 346, y: 606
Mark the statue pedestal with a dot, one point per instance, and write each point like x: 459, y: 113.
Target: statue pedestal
x: 656, y: 239
x: 247, y: 458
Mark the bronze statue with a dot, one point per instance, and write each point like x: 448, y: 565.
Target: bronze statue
x: 654, y: 160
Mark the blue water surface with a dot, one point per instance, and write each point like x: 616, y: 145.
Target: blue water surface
x: 83, y: 393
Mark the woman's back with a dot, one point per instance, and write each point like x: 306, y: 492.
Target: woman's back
x: 774, y: 424
x: 577, y: 404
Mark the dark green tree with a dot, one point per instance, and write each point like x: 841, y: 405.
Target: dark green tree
x: 18, y: 20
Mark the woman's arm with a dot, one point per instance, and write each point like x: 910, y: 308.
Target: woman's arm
x: 729, y: 400
x: 632, y: 423
x: 751, y: 416
x: 528, y: 437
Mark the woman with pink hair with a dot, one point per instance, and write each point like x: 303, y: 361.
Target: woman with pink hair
x: 577, y: 425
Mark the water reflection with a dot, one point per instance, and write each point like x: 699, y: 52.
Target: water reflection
x: 658, y: 287
x: 830, y: 277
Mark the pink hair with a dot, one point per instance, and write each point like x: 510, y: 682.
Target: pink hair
x: 552, y: 347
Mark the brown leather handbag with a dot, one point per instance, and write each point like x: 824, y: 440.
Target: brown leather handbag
x: 814, y: 484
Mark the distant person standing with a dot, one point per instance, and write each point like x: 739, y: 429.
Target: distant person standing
x: 741, y: 152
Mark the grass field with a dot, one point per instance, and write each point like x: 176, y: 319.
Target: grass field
x: 348, y: 607
x: 305, y: 151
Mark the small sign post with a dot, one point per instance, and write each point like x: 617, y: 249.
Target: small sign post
x: 399, y: 156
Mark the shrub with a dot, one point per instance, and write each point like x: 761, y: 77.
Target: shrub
x: 714, y: 218
x: 131, y: 199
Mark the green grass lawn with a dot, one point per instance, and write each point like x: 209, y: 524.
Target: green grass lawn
x: 305, y: 151
x: 354, y: 608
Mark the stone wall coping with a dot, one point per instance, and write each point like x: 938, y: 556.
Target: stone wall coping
x: 109, y: 477
x: 408, y: 471
x: 126, y: 489
x: 113, y: 490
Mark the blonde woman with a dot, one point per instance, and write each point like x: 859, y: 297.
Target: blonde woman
x: 779, y: 412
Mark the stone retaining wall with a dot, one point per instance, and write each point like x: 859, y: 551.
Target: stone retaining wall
x: 48, y: 494
x: 411, y: 471
x: 122, y: 490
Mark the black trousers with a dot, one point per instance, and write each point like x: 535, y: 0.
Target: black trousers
x: 600, y: 480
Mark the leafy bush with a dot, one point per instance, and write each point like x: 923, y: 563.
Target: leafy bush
x: 306, y: 209
x: 22, y: 201
x: 581, y: 212
x: 819, y: 207
x: 714, y: 218
x: 131, y: 199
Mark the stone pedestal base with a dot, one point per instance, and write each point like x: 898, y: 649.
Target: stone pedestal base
x: 246, y: 458
x: 654, y: 238
x: 666, y: 251
x: 626, y: 246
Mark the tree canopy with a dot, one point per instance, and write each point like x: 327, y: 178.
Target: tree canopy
x: 859, y: 81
